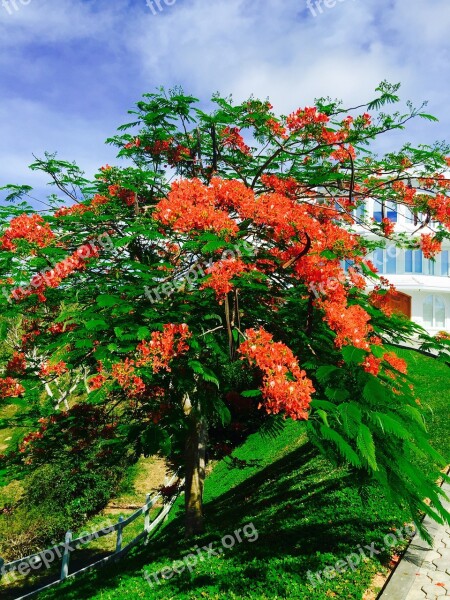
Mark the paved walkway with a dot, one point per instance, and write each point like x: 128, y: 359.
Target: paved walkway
x: 424, y: 572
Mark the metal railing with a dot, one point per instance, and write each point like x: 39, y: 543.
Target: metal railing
x: 62, y: 551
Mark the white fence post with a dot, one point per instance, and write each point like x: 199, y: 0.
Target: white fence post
x: 119, y: 535
x: 70, y: 544
x: 149, y: 505
x: 66, y: 555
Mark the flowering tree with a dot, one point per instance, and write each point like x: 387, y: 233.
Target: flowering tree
x: 210, y: 266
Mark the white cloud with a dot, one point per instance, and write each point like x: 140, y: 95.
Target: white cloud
x: 73, y: 67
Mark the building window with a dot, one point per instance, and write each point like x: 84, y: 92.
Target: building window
x: 444, y: 264
x: 413, y: 261
x: 378, y: 260
x: 377, y: 211
x: 391, y: 260
x: 346, y: 264
x: 391, y: 211
x: 386, y: 260
x: 361, y: 212
x: 385, y: 209
x: 434, y: 312
x: 429, y: 266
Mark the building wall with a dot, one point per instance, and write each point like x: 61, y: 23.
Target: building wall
x: 426, y: 281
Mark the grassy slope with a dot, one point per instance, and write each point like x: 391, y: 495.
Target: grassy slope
x: 308, y: 515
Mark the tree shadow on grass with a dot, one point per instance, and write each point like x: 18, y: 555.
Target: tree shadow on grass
x: 301, y: 508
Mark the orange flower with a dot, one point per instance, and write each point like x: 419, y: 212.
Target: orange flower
x: 221, y: 273
x: 127, y: 196
x: 163, y: 347
x: 387, y: 226
x: 285, y: 386
x: 17, y: 364
x: 397, y: 363
x: 190, y: 205
x: 123, y: 372
x: 305, y: 116
x: 32, y: 229
x: 231, y: 137
x: 47, y: 369
x: 371, y: 364
x: 10, y: 388
x: 430, y: 245
x: 350, y: 323
x: 51, y: 279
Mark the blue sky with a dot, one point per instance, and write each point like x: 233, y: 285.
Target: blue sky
x: 70, y: 69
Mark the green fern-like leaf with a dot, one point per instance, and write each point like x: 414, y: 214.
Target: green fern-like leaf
x: 366, y: 446
x: 350, y: 414
x: 390, y: 424
x: 205, y: 372
x: 341, y: 444
x: 323, y: 373
x: 375, y: 393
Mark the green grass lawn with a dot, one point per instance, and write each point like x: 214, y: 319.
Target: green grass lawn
x: 307, y: 514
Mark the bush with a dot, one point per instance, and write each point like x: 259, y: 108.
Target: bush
x: 66, y: 479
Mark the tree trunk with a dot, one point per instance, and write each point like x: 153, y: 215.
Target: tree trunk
x: 195, y: 475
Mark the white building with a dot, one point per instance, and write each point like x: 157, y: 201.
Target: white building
x: 424, y: 284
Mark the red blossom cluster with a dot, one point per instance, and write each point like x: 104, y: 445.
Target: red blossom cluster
x: 382, y: 298
x: 370, y: 265
x: 396, y: 363
x: 350, y: 323
x: 305, y: 116
x: 289, y: 186
x: 372, y: 365
x: 190, y: 205
x: 330, y: 137
x: 32, y: 228
x: 80, y: 209
x: 221, y: 273
x: 29, y: 439
x: 136, y: 143
x: 53, y: 370
x: 356, y: 279
x: 229, y: 193
x: 127, y: 196
x: 367, y: 119
x: 123, y: 372
x: 442, y: 336
x: 32, y: 331
x: 343, y: 153
x: 435, y: 180
x: 57, y: 328
x: 163, y: 347
x: 17, y: 364
x: 276, y: 128
x: 96, y: 382
x: 440, y: 205
x: 406, y: 163
x: 404, y: 192
x: 62, y: 270
x: 10, y: 388
x: 80, y: 425
x: 387, y: 226
x: 430, y: 245
x: 174, y: 152
x: 347, y: 122
x: 160, y: 147
x: 232, y: 138
x: 285, y: 386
